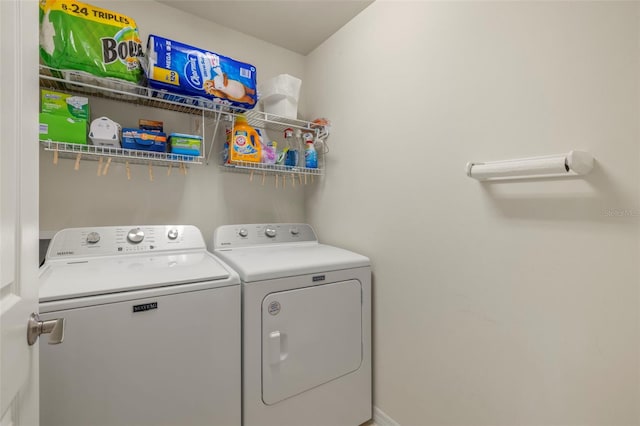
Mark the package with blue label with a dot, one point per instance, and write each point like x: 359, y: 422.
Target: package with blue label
x: 145, y: 140
x: 188, y: 70
x: 185, y: 144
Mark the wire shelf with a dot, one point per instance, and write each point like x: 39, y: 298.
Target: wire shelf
x: 93, y: 152
x: 120, y: 90
x: 246, y: 166
x: 82, y: 83
x: 275, y: 122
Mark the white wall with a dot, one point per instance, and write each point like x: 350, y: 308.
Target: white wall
x: 494, y: 304
x: 207, y: 196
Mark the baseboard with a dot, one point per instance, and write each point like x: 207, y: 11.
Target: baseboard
x: 380, y: 418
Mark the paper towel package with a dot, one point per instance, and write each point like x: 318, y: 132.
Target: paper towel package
x: 79, y: 36
x: 188, y: 70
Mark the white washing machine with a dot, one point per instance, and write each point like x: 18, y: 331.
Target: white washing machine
x: 151, y: 330
x: 306, y: 326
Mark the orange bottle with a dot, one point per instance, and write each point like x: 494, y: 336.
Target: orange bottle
x: 245, y: 142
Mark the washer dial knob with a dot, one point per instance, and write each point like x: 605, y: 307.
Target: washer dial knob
x: 243, y: 232
x: 294, y: 231
x: 135, y: 235
x: 270, y: 231
x: 93, y: 237
x: 173, y: 234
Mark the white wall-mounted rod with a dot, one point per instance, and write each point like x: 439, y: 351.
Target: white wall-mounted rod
x: 570, y: 164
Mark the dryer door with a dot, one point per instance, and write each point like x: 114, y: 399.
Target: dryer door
x: 310, y: 336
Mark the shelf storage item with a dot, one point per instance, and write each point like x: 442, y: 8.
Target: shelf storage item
x: 82, y: 83
x: 78, y: 82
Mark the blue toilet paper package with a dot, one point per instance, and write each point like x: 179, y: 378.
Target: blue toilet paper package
x: 188, y: 70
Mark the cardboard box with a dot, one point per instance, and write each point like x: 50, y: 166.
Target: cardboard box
x: 58, y: 128
x: 185, y: 144
x: 153, y: 125
x: 144, y: 140
x: 64, y: 104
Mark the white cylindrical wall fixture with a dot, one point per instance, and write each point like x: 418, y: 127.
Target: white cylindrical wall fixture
x: 571, y: 164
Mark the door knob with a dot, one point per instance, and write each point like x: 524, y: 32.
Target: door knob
x: 35, y: 327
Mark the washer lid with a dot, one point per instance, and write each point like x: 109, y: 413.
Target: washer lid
x: 286, y: 260
x: 74, y: 278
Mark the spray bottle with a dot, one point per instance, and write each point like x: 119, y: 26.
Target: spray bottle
x: 291, y: 157
x: 310, y: 154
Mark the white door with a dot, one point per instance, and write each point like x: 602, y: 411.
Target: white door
x: 18, y: 210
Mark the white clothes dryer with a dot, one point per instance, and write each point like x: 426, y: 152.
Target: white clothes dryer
x: 151, y: 330
x: 306, y: 322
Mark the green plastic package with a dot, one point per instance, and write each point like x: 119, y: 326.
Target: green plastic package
x: 78, y: 36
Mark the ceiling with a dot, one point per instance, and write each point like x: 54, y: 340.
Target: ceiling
x: 297, y: 25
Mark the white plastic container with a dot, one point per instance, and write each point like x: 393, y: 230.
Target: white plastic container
x: 105, y: 132
x: 279, y: 95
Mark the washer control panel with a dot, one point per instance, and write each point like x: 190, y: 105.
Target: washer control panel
x: 113, y: 240
x: 135, y: 235
x: 93, y: 238
x: 231, y: 236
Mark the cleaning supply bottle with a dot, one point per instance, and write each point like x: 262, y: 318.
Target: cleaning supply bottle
x: 291, y: 156
x: 280, y: 153
x: 227, y: 143
x: 310, y: 154
x: 245, y: 142
x: 269, y: 149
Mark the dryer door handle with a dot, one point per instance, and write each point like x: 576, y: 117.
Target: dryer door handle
x: 277, y: 347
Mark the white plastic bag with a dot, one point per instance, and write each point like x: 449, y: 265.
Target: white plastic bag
x: 279, y: 95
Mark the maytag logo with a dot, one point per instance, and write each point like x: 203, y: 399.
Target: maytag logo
x: 145, y: 307
x: 192, y: 71
x: 64, y: 253
x: 318, y: 278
